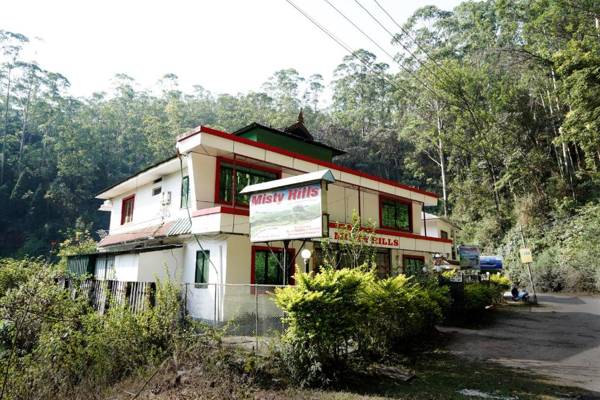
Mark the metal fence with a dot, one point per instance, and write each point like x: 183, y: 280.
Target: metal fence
x: 103, y: 293
x: 246, y: 313
x: 242, y: 310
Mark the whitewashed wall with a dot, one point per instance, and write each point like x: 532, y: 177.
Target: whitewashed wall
x: 147, y: 210
x: 163, y: 265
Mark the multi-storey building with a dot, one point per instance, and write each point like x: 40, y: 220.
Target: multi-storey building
x: 184, y: 217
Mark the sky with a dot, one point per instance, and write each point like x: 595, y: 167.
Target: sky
x: 226, y: 46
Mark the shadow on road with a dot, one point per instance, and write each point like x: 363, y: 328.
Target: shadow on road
x: 560, y: 339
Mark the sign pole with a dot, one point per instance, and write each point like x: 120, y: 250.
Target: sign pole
x: 532, y: 284
x: 527, y: 259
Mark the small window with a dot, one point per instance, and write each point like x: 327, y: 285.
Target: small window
x: 156, y: 191
x: 444, y: 234
x: 127, y: 209
x: 202, y: 261
x: 395, y: 214
x: 185, y: 192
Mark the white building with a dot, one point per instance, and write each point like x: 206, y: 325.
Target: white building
x: 184, y: 217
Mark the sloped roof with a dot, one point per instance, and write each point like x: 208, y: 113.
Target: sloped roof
x: 317, y: 176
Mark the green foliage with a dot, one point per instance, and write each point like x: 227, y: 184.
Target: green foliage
x: 478, y: 297
x: 323, y: 312
x: 501, y: 281
x: 55, y: 345
x: 339, y: 317
x: 564, y: 253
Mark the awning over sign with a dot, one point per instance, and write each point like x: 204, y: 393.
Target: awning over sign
x: 317, y: 176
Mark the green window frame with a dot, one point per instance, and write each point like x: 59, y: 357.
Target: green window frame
x: 395, y: 214
x: 267, y: 267
x: 185, y: 192
x: 413, y: 265
x: 201, y: 274
x: 244, y: 176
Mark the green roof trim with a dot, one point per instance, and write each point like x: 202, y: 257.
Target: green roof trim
x: 288, y: 141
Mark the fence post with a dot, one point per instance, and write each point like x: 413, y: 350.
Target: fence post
x: 256, y: 316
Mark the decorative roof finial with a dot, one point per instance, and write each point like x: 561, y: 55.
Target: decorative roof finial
x: 301, y: 117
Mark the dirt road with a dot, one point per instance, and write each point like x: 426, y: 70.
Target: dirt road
x: 559, y: 339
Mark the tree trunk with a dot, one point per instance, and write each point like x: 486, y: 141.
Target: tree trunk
x: 2, y: 155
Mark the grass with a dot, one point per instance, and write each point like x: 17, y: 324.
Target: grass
x: 440, y: 375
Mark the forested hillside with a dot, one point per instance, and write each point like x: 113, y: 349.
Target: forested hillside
x: 496, y: 107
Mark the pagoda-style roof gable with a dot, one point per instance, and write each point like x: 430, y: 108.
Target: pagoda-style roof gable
x: 295, y: 138
x: 298, y: 129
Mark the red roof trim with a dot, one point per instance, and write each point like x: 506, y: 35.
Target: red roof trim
x: 394, y: 233
x: 279, y: 150
x: 221, y: 210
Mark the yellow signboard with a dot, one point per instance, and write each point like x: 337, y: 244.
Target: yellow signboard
x: 526, y: 256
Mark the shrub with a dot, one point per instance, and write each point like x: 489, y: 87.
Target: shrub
x: 323, y: 311
x: 502, y: 282
x: 477, y: 297
x: 62, y: 345
x: 337, y: 317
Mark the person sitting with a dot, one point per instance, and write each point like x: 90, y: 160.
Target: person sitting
x: 519, y: 295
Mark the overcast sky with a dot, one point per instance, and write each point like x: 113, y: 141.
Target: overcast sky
x: 227, y: 46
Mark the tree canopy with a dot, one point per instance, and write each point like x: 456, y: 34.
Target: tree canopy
x: 496, y: 107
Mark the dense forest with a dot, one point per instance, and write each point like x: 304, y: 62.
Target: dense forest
x: 496, y: 107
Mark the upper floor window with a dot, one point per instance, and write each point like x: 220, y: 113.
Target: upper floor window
x: 185, y: 192
x: 395, y: 214
x: 127, y: 209
x: 232, y: 178
x: 443, y: 234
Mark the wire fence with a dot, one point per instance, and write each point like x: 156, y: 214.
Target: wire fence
x: 246, y: 313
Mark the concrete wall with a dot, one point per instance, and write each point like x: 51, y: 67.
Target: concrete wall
x: 126, y: 267
x: 163, y: 265
x: 147, y: 210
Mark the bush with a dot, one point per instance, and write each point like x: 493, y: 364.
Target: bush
x: 502, y: 282
x: 477, y: 297
x: 63, y: 346
x: 323, y: 311
x: 337, y: 317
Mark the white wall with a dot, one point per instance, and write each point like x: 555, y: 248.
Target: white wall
x: 163, y: 264
x: 201, y: 301
x: 147, y: 209
x: 126, y: 268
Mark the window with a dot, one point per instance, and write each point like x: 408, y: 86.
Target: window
x: 185, y: 192
x: 156, y: 191
x: 201, y: 275
x: 413, y: 265
x: 444, y: 234
x: 127, y: 209
x: 267, y: 266
x: 233, y: 178
x: 395, y: 214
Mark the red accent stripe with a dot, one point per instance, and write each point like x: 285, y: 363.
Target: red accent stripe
x: 221, y: 209
x: 393, y: 233
x: 279, y: 150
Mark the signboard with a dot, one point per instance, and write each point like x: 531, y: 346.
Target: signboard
x: 469, y: 257
x: 490, y: 263
x: 377, y: 240
x: 526, y: 256
x: 287, y: 213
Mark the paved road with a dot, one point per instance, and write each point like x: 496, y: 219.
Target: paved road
x: 559, y: 339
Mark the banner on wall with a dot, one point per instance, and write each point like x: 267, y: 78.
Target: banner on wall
x: 287, y: 213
